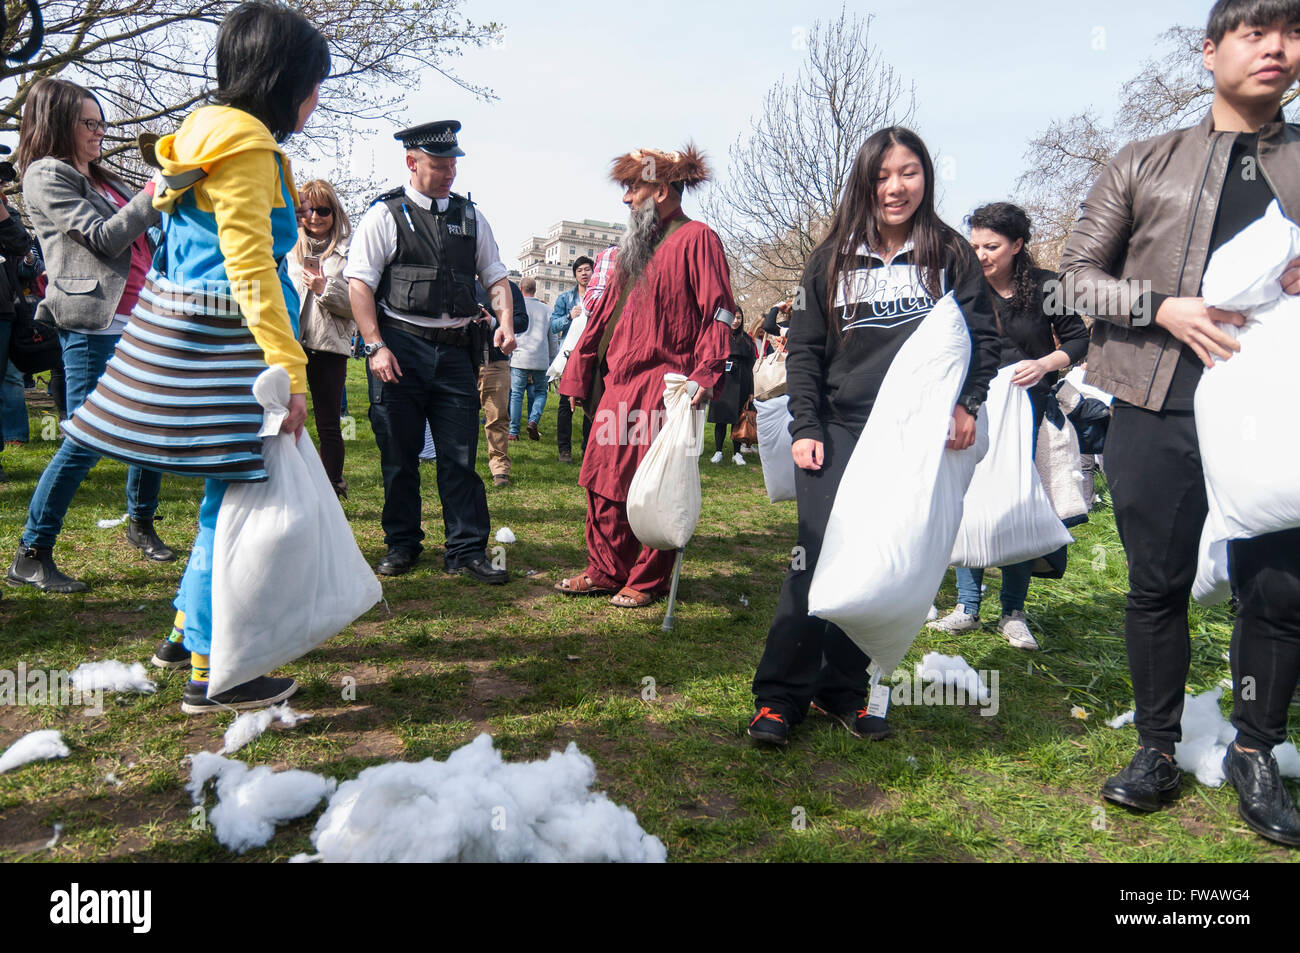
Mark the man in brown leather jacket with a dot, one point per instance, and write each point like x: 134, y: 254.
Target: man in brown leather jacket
x: 1135, y: 262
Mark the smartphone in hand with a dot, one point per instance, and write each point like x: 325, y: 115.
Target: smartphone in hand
x: 311, y: 263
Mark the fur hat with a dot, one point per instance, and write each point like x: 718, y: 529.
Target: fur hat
x: 686, y: 168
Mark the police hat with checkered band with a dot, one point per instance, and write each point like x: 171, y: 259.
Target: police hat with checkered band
x: 435, y: 138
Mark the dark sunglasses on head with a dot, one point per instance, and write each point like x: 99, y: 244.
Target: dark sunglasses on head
x: 324, y: 211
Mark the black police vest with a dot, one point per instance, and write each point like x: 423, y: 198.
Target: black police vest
x: 433, y: 270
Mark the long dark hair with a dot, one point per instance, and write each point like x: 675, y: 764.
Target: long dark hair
x: 856, y: 221
x: 48, y: 126
x: 1011, y: 222
x: 269, y: 59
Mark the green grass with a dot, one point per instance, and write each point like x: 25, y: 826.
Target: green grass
x: 446, y: 659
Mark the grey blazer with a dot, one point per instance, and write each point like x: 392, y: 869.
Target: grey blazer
x: 86, y: 241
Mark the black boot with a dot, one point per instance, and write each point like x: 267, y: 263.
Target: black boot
x: 1262, y: 798
x: 140, y: 534
x: 35, y: 567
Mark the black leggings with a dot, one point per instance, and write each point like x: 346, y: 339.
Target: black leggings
x: 719, y: 431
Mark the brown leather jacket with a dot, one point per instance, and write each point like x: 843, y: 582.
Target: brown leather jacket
x: 1146, y: 226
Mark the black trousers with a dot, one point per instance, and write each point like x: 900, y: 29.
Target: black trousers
x: 720, y: 431
x: 438, y: 385
x: 564, y: 426
x: 807, y: 657
x: 1153, y: 465
x: 326, y: 375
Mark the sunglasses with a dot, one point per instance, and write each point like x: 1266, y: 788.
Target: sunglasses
x: 322, y: 211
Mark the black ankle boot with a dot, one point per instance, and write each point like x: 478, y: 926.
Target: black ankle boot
x: 140, y: 534
x: 1262, y: 799
x: 35, y: 567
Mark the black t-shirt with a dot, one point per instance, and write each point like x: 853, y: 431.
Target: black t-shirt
x: 1245, y: 198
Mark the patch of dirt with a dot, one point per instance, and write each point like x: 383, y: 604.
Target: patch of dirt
x: 380, y: 743
x: 29, y: 828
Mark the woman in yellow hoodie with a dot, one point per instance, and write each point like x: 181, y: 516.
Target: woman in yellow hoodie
x: 217, y: 307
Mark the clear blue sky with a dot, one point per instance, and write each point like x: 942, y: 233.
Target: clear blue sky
x: 575, y: 90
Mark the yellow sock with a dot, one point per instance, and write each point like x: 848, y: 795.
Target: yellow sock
x: 199, y: 668
x: 178, y: 628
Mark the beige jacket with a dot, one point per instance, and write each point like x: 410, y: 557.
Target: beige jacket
x: 325, y: 322
x: 1146, y: 226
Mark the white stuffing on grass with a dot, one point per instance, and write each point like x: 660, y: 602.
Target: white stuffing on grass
x: 112, y: 676
x: 36, y: 746
x: 475, y: 807
x: 1119, y: 721
x: 472, y: 807
x: 58, y: 831
x: 1206, y: 736
x: 932, y: 614
x: 504, y: 535
x: 251, y: 801
x: 250, y: 724
x: 109, y: 524
x: 952, y: 670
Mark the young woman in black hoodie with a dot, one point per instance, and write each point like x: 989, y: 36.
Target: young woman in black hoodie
x: 889, y: 259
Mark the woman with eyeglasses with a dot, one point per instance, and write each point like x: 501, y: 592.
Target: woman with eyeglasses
x: 92, y: 231
x: 325, y: 324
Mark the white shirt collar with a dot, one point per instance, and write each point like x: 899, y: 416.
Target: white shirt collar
x: 422, y: 200
x: 865, y: 251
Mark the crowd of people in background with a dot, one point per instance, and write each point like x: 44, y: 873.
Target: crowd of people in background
x: 418, y: 291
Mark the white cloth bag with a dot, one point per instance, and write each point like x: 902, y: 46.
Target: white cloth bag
x: 286, y: 570
x: 663, y: 502
x: 769, y: 374
x: 571, y: 338
x: 1245, y: 405
x: 896, y: 512
x: 1008, y: 517
x: 774, y: 447
x: 1060, y: 468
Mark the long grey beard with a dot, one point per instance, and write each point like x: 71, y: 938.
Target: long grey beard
x: 638, y: 244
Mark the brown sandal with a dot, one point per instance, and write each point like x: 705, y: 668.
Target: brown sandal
x: 632, y: 599
x: 580, y: 585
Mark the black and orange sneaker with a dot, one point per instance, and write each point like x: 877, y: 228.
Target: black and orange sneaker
x: 857, y: 722
x: 769, y: 727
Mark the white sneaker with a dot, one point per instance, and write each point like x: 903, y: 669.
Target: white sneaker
x: 740, y: 461
x: 716, y: 458
x: 958, y: 620
x: 748, y: 448
x: 1015, y: 630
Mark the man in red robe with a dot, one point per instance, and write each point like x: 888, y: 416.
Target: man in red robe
x: 668, y: 309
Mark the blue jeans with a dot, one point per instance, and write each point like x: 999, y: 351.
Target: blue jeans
x: 13, y: 402
x: 84, y: 358
x: 532, y: 383
x: 1015, y: 587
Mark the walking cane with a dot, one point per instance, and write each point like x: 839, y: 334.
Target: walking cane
x: 672, y: 593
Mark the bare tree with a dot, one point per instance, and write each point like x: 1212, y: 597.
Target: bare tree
x: 1172, y: 90
x: 786, y: 174
x: 150, y: 61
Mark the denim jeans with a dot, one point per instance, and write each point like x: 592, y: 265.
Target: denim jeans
x: 526, y: 383
x: 1015, y: 587
x: 84, y: 358
x: 13, y: 400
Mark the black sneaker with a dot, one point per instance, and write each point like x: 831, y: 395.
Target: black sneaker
x: 1148, y: 781
x: 1262, y: 798
x: 35, y: 567
x: 858, y: 723
x: 769, y: 727
x: 171, y: 655
x: 259, y: 693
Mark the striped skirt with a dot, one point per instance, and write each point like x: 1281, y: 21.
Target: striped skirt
x: 177, y: 394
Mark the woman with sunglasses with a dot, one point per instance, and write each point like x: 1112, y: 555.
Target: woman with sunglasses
x: 91, y: 228
x: 886, y: 260
x: 325, y: 324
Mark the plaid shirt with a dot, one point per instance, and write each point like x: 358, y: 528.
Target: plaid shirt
x: 601, y: 274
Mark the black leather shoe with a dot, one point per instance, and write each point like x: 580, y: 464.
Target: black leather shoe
x: 1262, y: 798
x: 140, y: 534
x: 35, y: 567
x: 1150, y: 780
x: 396, y: 562
x: 482, y: 570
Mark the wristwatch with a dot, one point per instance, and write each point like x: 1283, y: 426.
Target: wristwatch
x: 971, y: 405
x: 370, y: 349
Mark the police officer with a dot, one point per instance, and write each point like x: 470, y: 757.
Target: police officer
x: 410, y: 272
